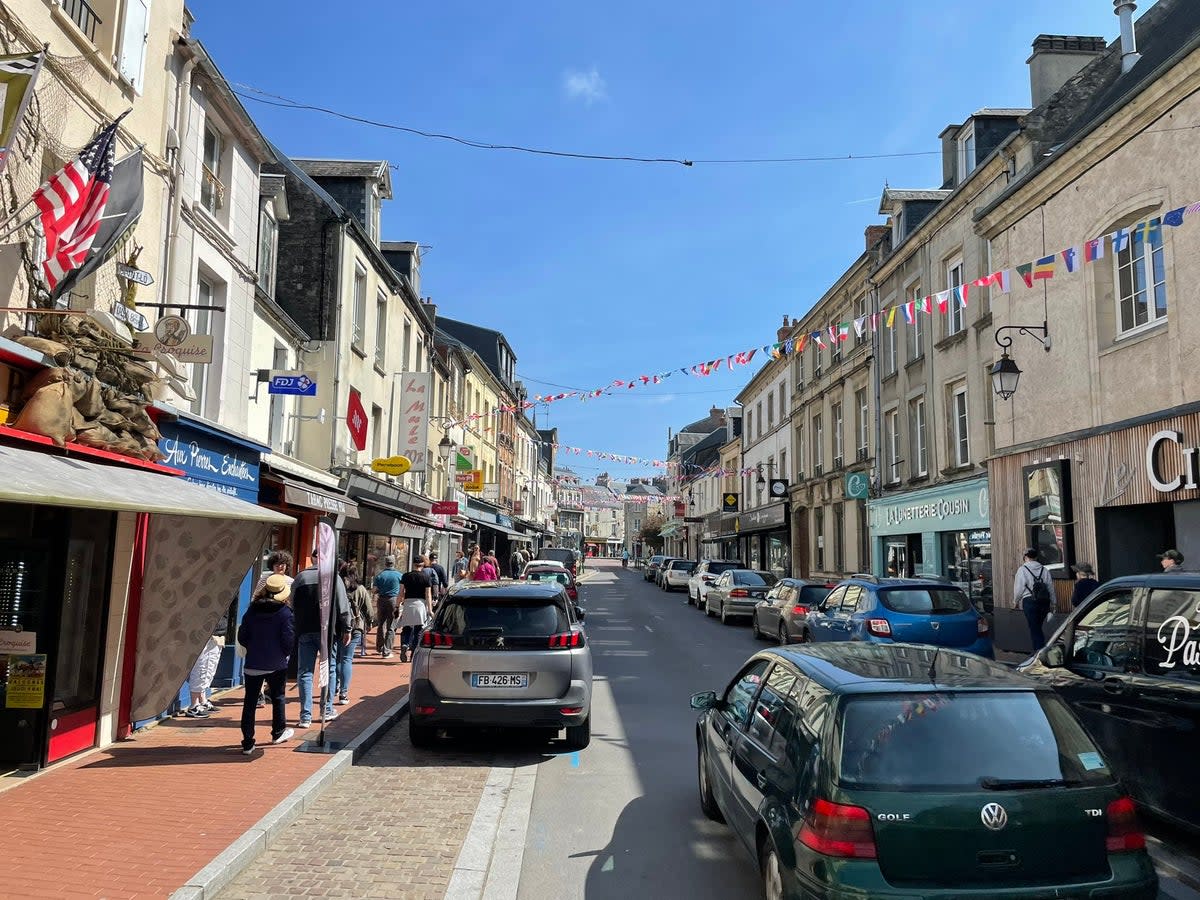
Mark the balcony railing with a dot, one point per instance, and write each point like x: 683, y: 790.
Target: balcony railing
x: 82, y: 15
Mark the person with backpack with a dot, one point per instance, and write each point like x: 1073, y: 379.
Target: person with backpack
x: 1033, y: 589
x: 360, y: 624
x: 435, y: 582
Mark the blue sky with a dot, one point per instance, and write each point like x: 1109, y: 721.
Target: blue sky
x: 604, y: 270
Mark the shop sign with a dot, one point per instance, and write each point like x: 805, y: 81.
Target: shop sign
x: 26, y: 681
x: 962, y: 508
x: 295, y: 384
x: 444, y: 508
x: 17, y: 642
x: 1186, y: 467
x: 858, y: 485
x: 979, y: 538
x: 464, y: 477
x: 464, y: 459
x: 764, y: 517
x: 392, y: 465
x: 221, y: 466
x: 415, y: 390
x: 173, y: 336
x: 299, y: 496
x: 729, y: 502
x: 1177, y: 635
x: 504, y: 521
x: 357, y: 421
x: 475, y: 485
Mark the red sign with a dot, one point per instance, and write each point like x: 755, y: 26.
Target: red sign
x: 357, y: 421
x: 444, y: 508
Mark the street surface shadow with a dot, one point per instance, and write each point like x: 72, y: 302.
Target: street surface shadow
x: 473, y: 748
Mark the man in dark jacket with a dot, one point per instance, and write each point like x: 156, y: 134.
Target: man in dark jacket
x: 267, y: 632
x: 306, y: 601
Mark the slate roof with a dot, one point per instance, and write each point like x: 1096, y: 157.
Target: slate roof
x: 484, y: 341
x: 350, y: 168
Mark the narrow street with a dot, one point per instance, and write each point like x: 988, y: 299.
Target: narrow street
x: 512, y: 819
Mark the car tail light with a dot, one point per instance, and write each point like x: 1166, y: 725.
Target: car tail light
x: 708, y: 578
x: 436, y: 639
x: 567, y: 639
x: 424, y: 710
x: 738, y: 592
x: 572, y: 592
x: 570, y: 710
x: 799, y: 610
x: 1124, y: 831
x: 881, y: 627
x: 832, y: 829
x: 982, y: 625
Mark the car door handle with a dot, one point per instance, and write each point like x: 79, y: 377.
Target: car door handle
x: 1115, y: 685
x: 761, y: 780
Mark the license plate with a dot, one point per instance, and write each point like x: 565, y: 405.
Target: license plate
x: 499, y: 679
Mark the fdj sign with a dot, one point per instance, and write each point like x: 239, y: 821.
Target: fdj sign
x: 297, y: 384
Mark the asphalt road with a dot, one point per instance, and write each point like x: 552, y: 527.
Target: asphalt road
x: 622, y: 819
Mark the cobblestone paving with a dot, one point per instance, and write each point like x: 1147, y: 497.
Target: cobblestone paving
x: 392, y: 826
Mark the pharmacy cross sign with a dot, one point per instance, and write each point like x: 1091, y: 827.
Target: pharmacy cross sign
x: 356, y: 421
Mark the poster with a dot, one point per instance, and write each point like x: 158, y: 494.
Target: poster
x: 326, y: 560
x: 26, y: 687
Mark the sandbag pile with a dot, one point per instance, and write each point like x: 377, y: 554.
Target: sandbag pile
x: 96, y: 396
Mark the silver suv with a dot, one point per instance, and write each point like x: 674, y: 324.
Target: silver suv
x: 503, y: 654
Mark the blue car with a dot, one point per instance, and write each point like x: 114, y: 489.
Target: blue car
x: 900, y: 611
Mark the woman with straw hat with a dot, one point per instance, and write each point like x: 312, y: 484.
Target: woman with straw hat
x: 268, y: 632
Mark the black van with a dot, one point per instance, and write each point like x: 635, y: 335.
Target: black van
x: 1128, y: 662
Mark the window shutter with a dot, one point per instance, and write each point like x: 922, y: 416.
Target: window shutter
x: 132, y: 61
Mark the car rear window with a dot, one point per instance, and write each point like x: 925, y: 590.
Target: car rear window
x: 951, y: 741
x: 812, y: 596
x: 489, y: 617
x: 925, y: 601
x: 716, y: 568
x: 755, y: 578
x: 545, y: 575
x: 682, y: 565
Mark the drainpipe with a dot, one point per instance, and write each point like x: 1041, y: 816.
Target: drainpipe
x: 183, y: 91
x: 1124, y: 9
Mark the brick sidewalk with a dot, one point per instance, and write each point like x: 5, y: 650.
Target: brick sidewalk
x: 139, y: 818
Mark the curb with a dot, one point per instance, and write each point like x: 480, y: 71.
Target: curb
x: 1168, y: 860
x: 213, y: 878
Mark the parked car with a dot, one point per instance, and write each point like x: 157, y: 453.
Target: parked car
x: 676, y: 573
x: 565, y: 555
x: 705, y: 575
x: 899, y: 610
x: 869, y: 770
x: 736, y: 593
x: 780, y: 615
x: 1127, y: 660
x: 505, y: 654
x: 543, y: 570
x: 658, y: 576
x: 652, y: 566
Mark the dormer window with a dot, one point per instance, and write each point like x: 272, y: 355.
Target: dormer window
x: 966, y: 152
x: 898, y: 225
x: 373, y: 212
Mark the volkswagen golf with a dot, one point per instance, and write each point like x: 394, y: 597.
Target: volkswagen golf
x: 884, y: 771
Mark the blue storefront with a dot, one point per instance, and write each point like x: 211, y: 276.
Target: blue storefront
x: 228, y: 464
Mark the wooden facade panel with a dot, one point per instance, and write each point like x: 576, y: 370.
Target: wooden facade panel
x: 1107, y: 470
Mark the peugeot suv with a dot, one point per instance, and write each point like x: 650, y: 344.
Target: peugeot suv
x: 859, y: 770
x: 503, y: 654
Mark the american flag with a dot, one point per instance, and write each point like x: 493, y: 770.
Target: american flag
x: 72, y: 202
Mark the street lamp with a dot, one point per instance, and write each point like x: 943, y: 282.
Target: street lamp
x: 1006, y: 373
x: 445, y: 445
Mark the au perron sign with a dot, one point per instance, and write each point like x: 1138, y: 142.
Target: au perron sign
x: 416, y: 391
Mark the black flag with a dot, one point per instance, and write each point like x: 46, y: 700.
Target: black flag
x: 121, y: 213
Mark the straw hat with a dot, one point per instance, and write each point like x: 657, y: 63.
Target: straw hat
x: 277, y: 588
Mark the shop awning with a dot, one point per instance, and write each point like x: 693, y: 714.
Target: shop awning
x: 309, y: 496
x: 33, y: 476
x: 512, y: 533
x: 669, y: 531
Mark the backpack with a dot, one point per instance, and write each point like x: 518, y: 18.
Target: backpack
x: 1040, y: 592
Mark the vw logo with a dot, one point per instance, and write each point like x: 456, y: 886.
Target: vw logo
x: 994, y: 817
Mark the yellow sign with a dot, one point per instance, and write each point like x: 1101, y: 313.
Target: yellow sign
x: 475, y: 485
x: 391, y: 465
x: 26, y: 681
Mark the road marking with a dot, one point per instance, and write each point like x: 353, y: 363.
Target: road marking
x: 648, y: 628
x: 575, y: 760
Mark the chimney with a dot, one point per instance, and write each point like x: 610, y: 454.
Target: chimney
x: 430, y: 309
x: 1057, y: 58
x: 1129, y: 55
x: 781, y: 334
x: 876, y: 233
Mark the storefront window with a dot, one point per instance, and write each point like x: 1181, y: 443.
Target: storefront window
x: 967, y: 558
x: 1048, y: 513
x: 752, y: 561
x: 777, y: 556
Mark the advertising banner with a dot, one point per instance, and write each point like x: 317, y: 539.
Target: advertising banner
x: 416, y: 394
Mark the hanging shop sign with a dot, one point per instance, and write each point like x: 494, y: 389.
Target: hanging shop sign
x: 296, y: 384
x: 392, y: 465
x: 729, y: 502
x: 357, y: 421
x: 130, y: 317
x: 464, y: 459
x: 173, y: 337
x: 963, y: 506
x: 475, y: 485
x: 778, y: 488
x: 464, y: 477
x: 26, y: 687
x: 858, y: 485
x: 416, y: 389
x: 444, y: 508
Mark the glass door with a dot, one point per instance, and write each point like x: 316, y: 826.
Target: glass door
x: 895, y: 556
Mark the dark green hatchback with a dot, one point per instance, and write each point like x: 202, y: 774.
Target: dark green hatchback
x: 884, y: 771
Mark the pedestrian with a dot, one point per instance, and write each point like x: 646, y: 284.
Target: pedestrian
x: 1085, y: 582
x: 360, y: 621
x: 414, y: 616
x: 459, y: 568
x: 306, y: 603
x: 1171, y: 559
x: 279, y: 562
x: 201, y: 677
x: 387, y: 589
x: 474, y: 558
x: 487, y: 570
x: 440, y: 593
x: 625, y: 558
x: 1033, y: 589
x: 516, y: 562
x: 267, y: 632
x: 435, y: 583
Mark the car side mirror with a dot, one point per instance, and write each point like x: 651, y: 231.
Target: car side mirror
x: 704, y: 700
x: 1054, y: 656
x: 580, y: 613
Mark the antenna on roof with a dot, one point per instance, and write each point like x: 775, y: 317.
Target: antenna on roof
x: 933, y: 666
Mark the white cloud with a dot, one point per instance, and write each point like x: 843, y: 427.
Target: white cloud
x: 586, y: 86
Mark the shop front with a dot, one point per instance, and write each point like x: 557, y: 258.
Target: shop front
x: 497, y: 533
x: 309, y: 497
x: 943, y: 532
x: 226, y: 463
x: 764, y: 539
x: 1114, y: 496
x: 710, y: 536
